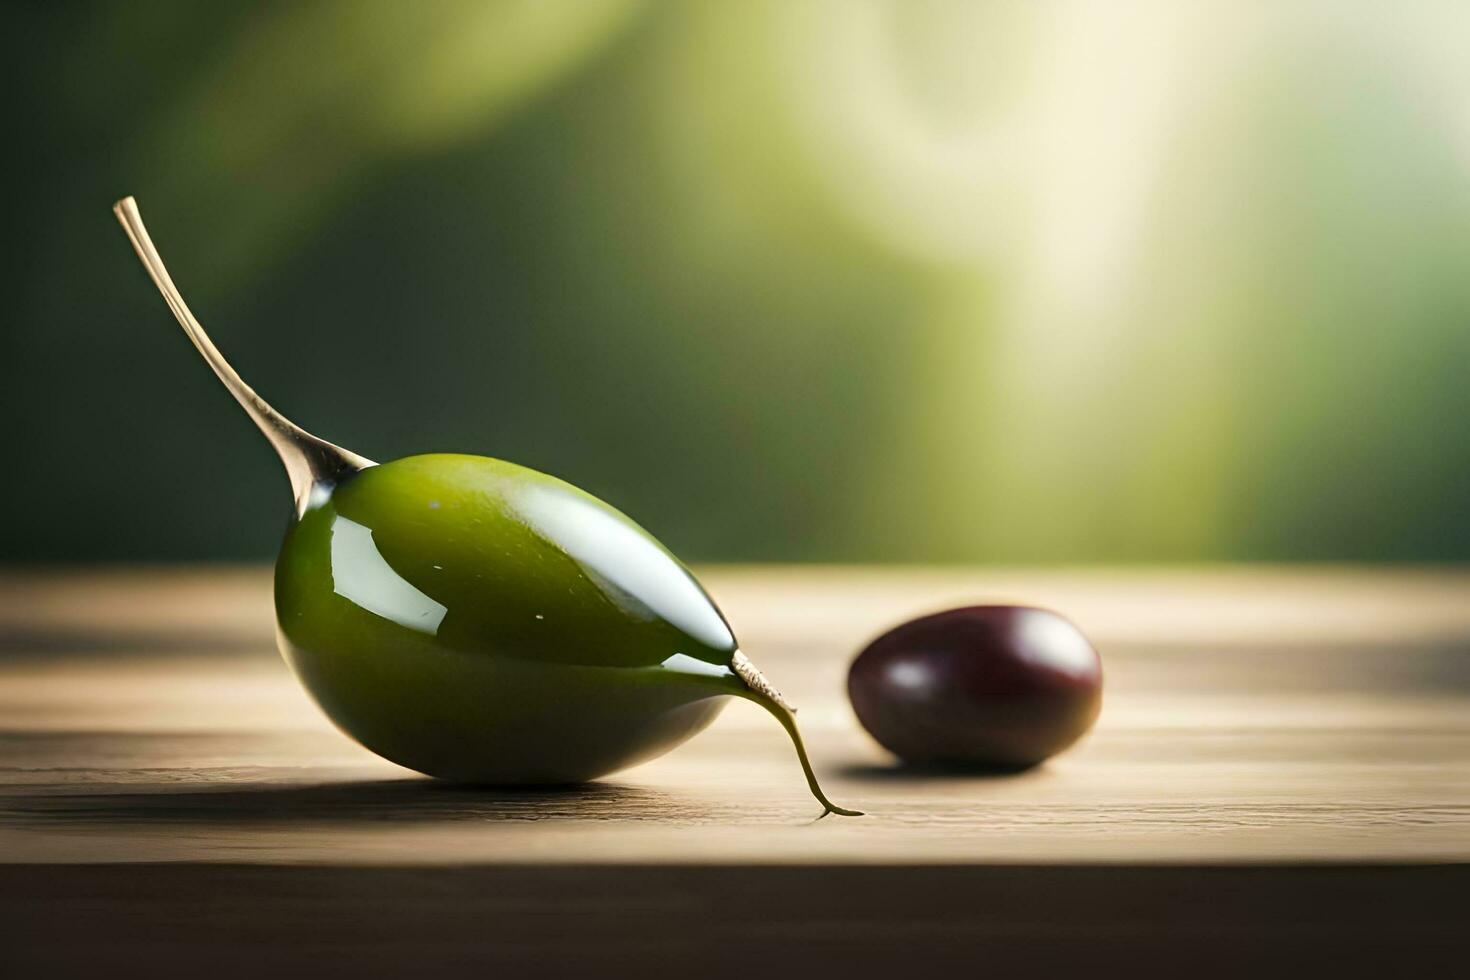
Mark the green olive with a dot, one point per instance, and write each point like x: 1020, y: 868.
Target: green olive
x: 482, y: 622
x: 475, y: 620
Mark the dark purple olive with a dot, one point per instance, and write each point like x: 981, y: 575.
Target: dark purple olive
x: 984, y: 686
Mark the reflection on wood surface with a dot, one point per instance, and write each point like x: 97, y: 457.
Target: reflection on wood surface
x: 1327, y: 743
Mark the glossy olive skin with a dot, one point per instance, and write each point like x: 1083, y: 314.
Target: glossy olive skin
x: 479, y: 621
x: 981, y: 686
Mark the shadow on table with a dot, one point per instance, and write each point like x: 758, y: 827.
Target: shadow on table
x: 926, y: 772
x: 411, y: 800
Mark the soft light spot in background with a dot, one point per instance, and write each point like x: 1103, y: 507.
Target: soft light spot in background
x: 931, y: 281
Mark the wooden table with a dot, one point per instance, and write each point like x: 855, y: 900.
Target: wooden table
x: 1280, y: 782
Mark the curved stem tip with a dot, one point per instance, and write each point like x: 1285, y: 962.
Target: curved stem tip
x: 788, y: 722
x: 760, y: 690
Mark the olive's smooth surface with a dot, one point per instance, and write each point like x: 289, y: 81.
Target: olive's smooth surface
x: 476, y: 620
x: 985, y: 686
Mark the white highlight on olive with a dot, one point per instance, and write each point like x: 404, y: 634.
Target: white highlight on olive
x: 630, y: 568
x: 686, y: 664
x: 1053, y: 643
x: 360, y: 574
x: 909, y: 677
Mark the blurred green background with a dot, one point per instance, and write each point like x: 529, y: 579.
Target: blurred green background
x: 812, y: 280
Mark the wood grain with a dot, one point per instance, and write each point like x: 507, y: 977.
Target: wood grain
x: 1308, y: 728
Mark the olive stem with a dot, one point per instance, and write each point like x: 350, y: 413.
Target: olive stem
x: 788, y: 722
x: 309, y: 461
x: 758, y: 688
